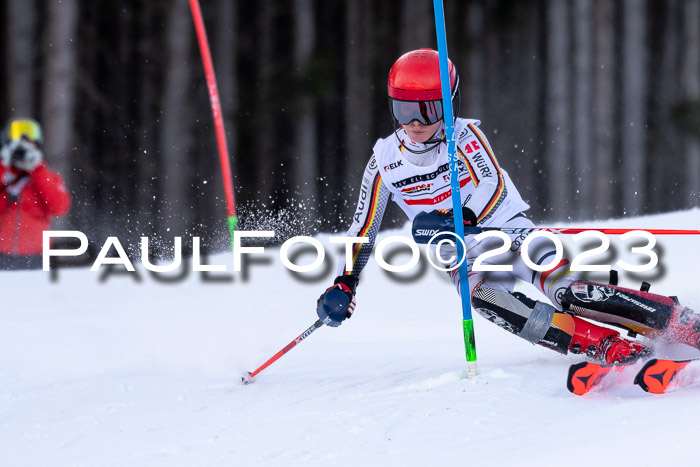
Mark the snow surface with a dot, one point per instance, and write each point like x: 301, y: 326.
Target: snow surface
x: 126, y: 372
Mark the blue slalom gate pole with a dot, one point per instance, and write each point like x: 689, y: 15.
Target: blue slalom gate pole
x: 467, y: 322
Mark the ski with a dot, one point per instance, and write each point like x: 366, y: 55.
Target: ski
x: 659, y: 375
x: 586, y: 376
x: 656, y: 376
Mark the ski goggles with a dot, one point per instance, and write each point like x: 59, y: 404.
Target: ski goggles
x: 425, y: 112
x: 28, y: 129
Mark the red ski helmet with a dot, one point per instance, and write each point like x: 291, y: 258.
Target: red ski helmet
x: 415, y: 91
x: 415, y: 76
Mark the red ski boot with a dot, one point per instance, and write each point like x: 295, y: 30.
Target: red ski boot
x: 604, y: 344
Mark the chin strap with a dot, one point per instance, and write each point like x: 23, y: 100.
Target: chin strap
x: 431, y: 143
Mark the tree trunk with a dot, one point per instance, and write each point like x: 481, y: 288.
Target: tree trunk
x: 472, y: 75
x: 416, y: 27
x: 174, y: 140
x: 690, y: 91
x: 581, y: 179
x: 266, y: 163
x: 633, y: 119
x: 529, y: 148
x: 58, y: 93
x: 305, y: 157
x: 150, y: 166
x: 357, y: 89
x: 603, y: 151
x: 20, y: 70
x: 664, y: 153
x: 557, y: 147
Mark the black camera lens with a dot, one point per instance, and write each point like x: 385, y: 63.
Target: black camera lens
x: 18, y: 155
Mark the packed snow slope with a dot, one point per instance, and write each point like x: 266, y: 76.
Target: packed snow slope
x: 123, y: 370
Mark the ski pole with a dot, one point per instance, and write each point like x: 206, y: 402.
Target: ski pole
x: 248, y: 378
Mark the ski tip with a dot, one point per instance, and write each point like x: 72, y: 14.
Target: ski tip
x: 577, y: 380
x: 640, y: 377
x: 246, y: 379
x: 585, y: 376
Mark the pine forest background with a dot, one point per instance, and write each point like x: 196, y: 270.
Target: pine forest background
x: 592, y: 106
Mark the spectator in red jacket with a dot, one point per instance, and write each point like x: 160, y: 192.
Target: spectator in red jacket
x: 30, y: 195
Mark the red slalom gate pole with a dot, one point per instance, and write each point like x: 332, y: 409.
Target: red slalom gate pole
x: 426, y: 226
x: 247, y: 379
x: 576, y: 230
x: 216, y: 113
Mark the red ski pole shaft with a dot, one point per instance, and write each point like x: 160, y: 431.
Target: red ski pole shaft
x: 248, y: 379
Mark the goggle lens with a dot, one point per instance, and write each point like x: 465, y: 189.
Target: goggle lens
x: 24, y: 128
x: 425, y: 112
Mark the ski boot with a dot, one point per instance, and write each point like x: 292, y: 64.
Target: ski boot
x: 639, y: 310
x: 603, y: 344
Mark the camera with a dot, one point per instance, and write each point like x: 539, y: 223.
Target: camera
x: 18, y: 155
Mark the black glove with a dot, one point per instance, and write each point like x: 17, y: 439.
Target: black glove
x: 22, y: 154
x: 468, y: 215
x: 338, y: 302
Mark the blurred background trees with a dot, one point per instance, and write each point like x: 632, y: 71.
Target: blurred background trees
x: 592, y: 106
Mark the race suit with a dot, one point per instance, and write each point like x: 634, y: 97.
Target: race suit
x: 421, y: 182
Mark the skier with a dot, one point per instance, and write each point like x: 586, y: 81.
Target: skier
x: 411, y: 167
x: 30, y: 195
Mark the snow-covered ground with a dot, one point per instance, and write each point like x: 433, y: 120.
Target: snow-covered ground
x: 125, y: 372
